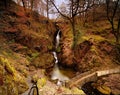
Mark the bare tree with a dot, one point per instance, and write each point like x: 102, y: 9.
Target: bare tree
x: 23, y: 2
x: 48, y: 7
x: 75, y: 9
x: 113, y: 12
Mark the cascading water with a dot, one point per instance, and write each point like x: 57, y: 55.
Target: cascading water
x: 56, y: 74
x: 57, y: 38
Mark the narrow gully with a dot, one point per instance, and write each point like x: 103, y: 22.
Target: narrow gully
x: 56, y: 73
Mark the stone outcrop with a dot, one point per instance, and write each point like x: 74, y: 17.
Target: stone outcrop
x: 66, y: 55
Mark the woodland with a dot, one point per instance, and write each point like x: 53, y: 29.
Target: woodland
x: 59, y: 47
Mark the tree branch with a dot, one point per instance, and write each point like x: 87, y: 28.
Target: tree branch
x: 115, y: 9
x: 88, y: 7
x: 60, y: 11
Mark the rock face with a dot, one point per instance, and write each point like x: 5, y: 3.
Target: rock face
x: 44, y: 61
x: 11, y: 83
x: 66, y: 55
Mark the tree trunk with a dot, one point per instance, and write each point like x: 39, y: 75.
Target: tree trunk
x: 24, y: 5
x: 31, y: 4
x: 118, y: 33
x: 74, y: 32
x: 117, y: 40
x: 47, y: 11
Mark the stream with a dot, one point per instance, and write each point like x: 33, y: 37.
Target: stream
x: 59, y: 74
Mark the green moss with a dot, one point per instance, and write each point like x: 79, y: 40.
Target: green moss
x: 96, y: 38
x: 7, y: 65
x: 66, y: 90
x: 94, y: 49
x: 50, y: 47
x: 41, y: 82
x: 35, y: 78
x: 20, y: 83
x: 75, y: 90
x: 58, y: 49
x: 32, y: 55
x: 11, y: 87
x: 13, y: 82
x: 22, y: 86
x: 24, y: 72
x: 35, y: 55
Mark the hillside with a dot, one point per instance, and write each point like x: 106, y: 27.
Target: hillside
x: 27, y: 43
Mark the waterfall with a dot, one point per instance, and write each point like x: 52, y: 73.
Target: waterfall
x: 58, y: 38
x: 55, y: 56
x: 56, y: 74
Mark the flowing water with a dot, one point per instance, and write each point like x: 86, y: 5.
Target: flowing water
x: 57, y: 40
x: 61, y: 75
x: 57, y: 74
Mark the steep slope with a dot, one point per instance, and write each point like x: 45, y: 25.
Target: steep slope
x: 95, y: 47
x: 26, y: 41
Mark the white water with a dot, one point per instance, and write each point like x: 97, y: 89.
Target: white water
x: 58, y: 39
x: 56, y: 74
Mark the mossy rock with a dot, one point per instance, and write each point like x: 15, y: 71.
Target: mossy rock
x: 13, y: 83
x: 7, y: 65
x: 41, y: 82
x: 104, y: 89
